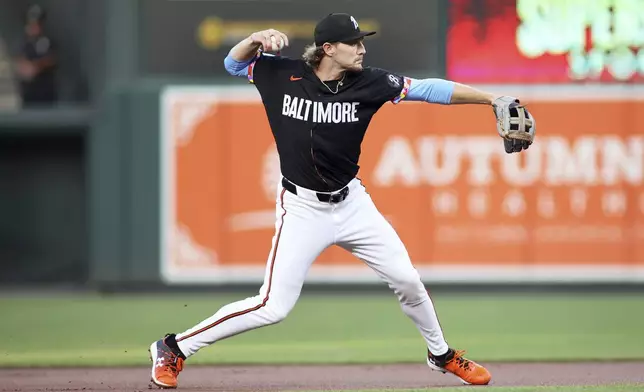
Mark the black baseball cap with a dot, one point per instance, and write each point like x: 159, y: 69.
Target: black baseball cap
x: 338, y: 27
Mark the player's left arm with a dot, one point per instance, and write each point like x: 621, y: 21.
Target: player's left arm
x: 444, y: 92
x: 515, y: 124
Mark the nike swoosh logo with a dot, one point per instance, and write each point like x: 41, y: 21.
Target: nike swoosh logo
x: 293, y: 78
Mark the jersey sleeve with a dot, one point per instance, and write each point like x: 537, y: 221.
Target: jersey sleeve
x: 387, y: 86
x: 262, y: 68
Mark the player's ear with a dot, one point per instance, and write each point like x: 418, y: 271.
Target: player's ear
x: 329, y: 49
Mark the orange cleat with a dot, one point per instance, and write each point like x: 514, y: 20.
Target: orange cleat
x: 167, y: 362
x: 469, y: 372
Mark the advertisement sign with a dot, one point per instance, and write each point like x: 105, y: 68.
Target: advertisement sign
x: 546, y: 41
x: 571, y: 207
x: 203, y: 32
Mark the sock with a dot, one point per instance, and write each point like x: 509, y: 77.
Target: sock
x: 171, y: 341
x: 442, y: 359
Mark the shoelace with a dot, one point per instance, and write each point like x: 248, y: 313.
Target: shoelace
x: 172, y: 362
x: 462, y: 362
x: 175, y: 367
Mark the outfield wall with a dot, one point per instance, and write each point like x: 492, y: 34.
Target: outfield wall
x: 570, y: 209
x: 161, y: 186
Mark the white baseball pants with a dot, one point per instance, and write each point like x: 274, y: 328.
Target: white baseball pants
x: 304, y: 228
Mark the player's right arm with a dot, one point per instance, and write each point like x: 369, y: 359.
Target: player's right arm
x: 247, y: 51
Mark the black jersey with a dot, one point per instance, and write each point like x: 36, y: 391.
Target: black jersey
x: 319, y: 127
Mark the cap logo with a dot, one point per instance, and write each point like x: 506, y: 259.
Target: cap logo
x: 355, y: 23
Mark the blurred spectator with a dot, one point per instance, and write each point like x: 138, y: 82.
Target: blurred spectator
x: 36, y: 62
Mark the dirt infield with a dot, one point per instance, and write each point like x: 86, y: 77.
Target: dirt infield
x: 291, y: 378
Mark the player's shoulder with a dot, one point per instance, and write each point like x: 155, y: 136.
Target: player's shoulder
x: 278, y: 60
x: 376, y: 74
x: 374, y: 71
x: 268, y: 69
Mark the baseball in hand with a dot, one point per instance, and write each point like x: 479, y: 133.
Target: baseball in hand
x: 275, y: 45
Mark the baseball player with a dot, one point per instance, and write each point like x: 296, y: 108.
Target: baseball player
x: 319, y: 108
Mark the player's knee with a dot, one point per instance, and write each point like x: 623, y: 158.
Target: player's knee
x: 410, y: 288
x: 277, y: 311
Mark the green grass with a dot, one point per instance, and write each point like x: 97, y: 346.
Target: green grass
x: 602, y: 388
x: 323, y: 329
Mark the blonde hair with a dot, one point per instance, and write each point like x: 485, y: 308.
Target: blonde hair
x: 313, y: 55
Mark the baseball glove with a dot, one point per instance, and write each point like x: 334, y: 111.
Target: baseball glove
x: 514, y: 124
